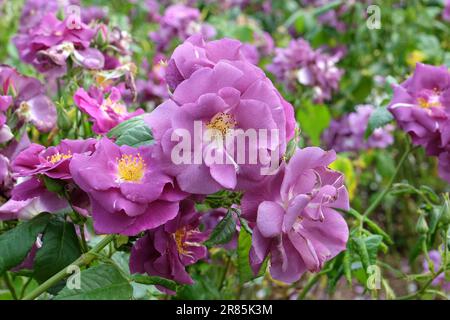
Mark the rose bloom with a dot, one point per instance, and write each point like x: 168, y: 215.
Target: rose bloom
x: 30, y: 197
x: 127, y: 190
x: 221, y: 95
x: 294, y: 217
x: 167, y: 250
x: 105, y: 112
x: 51, y: 42
x: 348, y: 132
x: 419, y: 106
x: 29, y: 100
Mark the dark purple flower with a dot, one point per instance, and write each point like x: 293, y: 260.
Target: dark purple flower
x: 167, y: 250
x: 347, y: 133
x: 48, y: 45
x: 420, y: 107
x: 299, y: 64
x: 29, y: 99
x: 294, y: 216
x: 225, y: 96
x: 127, y: 190
x: 180, y: 21
x: 53, y: 161
x: 106, y: 109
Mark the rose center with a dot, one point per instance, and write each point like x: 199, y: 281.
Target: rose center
x: 222, y: 122
x: 118, y: 108
x: 180, y: 239
x: 131, y: 168
x: 59, y: 156
x: 429, y: 99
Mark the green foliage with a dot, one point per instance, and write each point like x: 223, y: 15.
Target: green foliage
x: 60, y: 247
x: 313, y: 119
x: 102, y: 282
x: 133, y: 132
x: 223, y: 232
x: 16, y: 243
x: 379, y: 118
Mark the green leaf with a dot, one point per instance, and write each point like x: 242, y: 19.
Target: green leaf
x: 379, y: 118
x: 16, y: 243
x: 314, y: 119
x: 243, y: 251
x: 60, y: 247
x: 223, y: 232
x: 362, y: 251
x: 373, y: 243
x: 102, y: 282
x: 133, y: 132
x: 53, y: 185
x: 157, y: 281
x: 243, y: 33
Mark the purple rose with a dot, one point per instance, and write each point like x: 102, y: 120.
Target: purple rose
x: 195, y: 53
x: 347, y: 133
x: 106, y: 113
x: 167, y: 250
x: 53, y: 161
x: 30, y: 198
x: 127, y: 190
x: 48, y: 45
x: 180, y: 21
x: 224, y: 98
x: 29, y: 99
x: 294, y: 216
x: 446, y: 11
x: 301, y: 64
x: 420, y: 107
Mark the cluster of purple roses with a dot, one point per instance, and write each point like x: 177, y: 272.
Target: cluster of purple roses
x: 141, y: 192
x: 421, y: 107
x: 300, y: 64
x: 348, y: 133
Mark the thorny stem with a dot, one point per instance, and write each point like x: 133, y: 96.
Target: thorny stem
x: 83, y: 260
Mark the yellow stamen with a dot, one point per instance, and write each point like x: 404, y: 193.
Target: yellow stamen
x: 59, y: 156
x: 180, y: 238
x: 427, y: 104
x: 222, y: 122
x: 131, y: 167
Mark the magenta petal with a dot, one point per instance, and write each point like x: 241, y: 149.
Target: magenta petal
x: 270, y: 219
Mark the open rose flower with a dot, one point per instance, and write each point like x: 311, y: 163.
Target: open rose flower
x: 53, y: 161
x: 225, y: 99
x: 105, y: 112
x: 29, y: 100
x: 294, y: 216
x: 127, y: 190
x: 167, y: 250
x: 30, y: 198
x: 48, y: 45
x: 420, y: 107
